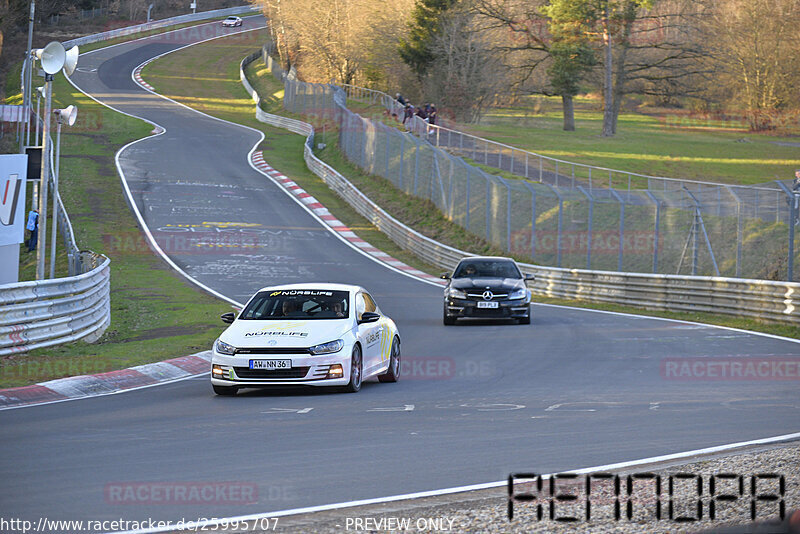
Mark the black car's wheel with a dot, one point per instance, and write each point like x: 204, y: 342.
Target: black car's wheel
x: 448, y: 320
x: 392, y: 374
x: 225, y: 390
x: 355, y: 371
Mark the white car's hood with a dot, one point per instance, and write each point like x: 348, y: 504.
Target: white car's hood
x: 285, y: 333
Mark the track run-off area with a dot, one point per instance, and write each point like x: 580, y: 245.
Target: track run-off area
x: 576, y: 388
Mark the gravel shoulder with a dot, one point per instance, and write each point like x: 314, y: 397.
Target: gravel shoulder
x: 486, y: 511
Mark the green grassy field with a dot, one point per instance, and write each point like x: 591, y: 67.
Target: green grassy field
x: 657, y: 142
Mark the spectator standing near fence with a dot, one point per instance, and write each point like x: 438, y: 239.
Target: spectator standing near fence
x: 401, y: 100
x: 33, y: 227
x: 432, y: 114
x: 408, y: 113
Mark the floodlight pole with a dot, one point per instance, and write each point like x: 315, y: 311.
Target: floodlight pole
x: 45, y: 177
x: 26, y: 91
x: 38, y: 109
x: 55, y: 201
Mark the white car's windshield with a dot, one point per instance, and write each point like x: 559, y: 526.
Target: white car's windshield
x: 298, y: 304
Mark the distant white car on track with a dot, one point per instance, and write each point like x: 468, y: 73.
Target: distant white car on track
x: 231, y: 22
x: 306, y: 334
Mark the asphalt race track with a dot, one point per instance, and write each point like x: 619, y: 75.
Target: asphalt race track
x: 574, y: 389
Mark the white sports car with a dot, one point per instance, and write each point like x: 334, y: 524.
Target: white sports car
x: 306, y: 334
x: 232, y: 22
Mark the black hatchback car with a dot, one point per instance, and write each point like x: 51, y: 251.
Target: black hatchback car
x: 487, y: 288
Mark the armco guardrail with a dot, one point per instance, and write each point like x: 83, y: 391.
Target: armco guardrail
x: 767, y: 300
x: 157, y: 24
x: 44, y: 313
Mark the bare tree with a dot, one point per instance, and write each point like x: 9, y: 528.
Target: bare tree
x: 756, y: 54
x: 463, y: 76
x: 329, y: 40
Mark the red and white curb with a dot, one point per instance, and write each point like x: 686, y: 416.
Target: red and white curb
x: 322, y: 212
x: 77, y: 387
x: 137, y: 75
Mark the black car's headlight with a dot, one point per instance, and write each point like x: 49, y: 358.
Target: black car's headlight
x: 454, y: 293
x: 327, y: 348
x: 518, y: 294
x: 224, y: 348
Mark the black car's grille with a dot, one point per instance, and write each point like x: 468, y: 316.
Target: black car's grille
x: 273, y: 350
x: 479, y: 296
x: 294, y: 372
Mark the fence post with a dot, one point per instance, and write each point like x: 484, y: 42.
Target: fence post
x: 466, y: 221
x: 588, y: 228
x: 794, y: 205
x: 416, y: 165
x: 533, y: 218
x: 488, y: 208
x: 739, y: 231
x: 387, y: 133
x: 621, y: 227
x: 402, y: 153
x: 508, y: 216
x: 655, y: 230
x: 560, y: 223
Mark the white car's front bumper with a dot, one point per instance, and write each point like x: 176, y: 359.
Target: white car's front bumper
x: 306, y: 370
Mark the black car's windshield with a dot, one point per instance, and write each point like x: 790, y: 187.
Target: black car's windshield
x: 298, y: 304
x: 487, y: 269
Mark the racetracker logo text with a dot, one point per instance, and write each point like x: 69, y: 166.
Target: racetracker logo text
x: 731, y: 368
x: 181, y: 493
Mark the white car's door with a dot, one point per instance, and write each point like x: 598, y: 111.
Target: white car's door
x: 370, y: 335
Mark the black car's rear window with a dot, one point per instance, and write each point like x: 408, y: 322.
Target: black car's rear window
x: 487, y: 269
x: 298, y: 304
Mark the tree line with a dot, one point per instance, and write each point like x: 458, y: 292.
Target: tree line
x: 739, y: 56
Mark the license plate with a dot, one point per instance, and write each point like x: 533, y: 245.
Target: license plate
x: 270, y: 364
x: 488, y: 304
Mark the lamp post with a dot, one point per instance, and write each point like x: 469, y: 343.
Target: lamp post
x: 68, y: 115
x: 53, y: 58
x: 39, y: 94
x: 28, y: 80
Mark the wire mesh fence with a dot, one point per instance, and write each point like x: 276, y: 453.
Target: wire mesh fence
x: 559, y: 213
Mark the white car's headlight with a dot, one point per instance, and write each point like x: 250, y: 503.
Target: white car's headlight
x: 456, y: 294
x: 224, y: 348
x: 518, y: 294
x: 327, y: 348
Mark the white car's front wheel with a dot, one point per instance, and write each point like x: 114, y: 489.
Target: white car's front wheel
x: 392, y: 374
x: 355, y: 371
